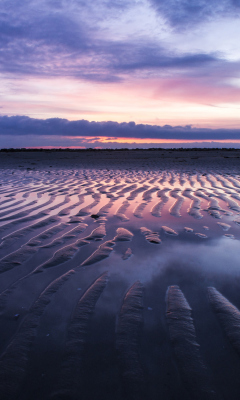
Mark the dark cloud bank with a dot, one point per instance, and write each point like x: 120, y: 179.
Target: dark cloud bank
x: 24, y: 126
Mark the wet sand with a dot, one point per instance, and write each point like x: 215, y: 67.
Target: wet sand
x: 120, y: 274
x: 181, y: 159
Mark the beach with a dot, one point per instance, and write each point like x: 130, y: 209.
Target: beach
x: 120, y: 274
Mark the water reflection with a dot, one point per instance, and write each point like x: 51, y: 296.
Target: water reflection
x: 86, y: 260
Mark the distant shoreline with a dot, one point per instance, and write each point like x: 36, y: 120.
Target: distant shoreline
x: 182, y: 160
x: 67, y: 149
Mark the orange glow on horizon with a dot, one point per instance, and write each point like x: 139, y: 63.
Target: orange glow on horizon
x: 161, y: 141
x: 90, y: 142
x: 108, y: 140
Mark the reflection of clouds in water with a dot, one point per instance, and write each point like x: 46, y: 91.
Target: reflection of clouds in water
x: 125, y: 273
x: 221, y: 256
x: 215, y: 257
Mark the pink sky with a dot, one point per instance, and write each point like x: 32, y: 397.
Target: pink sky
x: 142, y: 61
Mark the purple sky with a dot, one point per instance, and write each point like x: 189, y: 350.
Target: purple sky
x: 155, y: 62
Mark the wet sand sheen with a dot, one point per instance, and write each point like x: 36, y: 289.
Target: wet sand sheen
x: 70, y: 375
x: 14, y: 359
x: 115, y: 340
x: 128, y: 331
x: 187, y: 351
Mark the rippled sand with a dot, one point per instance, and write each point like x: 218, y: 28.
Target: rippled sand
x: 120, y: 281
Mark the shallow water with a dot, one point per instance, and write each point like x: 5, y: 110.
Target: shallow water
x: 104, y: 289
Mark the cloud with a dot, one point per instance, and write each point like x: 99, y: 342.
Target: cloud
x: 24, y: 126
x: 52, y: 38
x: 153, y: 57
x: 187, y: 13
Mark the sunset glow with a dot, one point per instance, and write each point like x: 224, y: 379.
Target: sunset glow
x: 142, y: 61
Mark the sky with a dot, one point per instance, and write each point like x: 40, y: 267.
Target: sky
x: 119, y: 73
